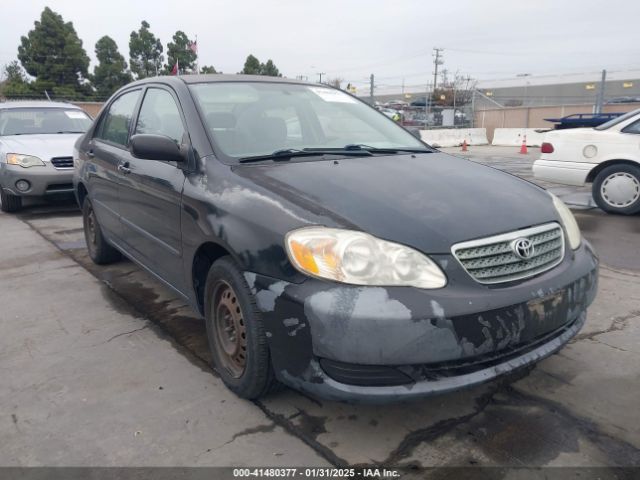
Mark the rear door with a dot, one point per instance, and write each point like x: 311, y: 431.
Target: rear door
x: 151, y: 192
x: 106, y: 151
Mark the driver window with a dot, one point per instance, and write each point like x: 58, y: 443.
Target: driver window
x: 160, y: 115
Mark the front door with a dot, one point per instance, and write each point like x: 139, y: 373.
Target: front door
x: 151, y: 192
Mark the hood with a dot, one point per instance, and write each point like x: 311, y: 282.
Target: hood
x: 429, y: 201
x: 44, y: 146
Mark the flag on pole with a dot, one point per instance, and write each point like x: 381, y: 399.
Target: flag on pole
x: 175, y: 69
x: 193, y: 46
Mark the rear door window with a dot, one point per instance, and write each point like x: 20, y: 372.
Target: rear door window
x: 116, y: 122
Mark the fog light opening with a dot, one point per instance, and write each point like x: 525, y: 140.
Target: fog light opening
x: 23, y: 185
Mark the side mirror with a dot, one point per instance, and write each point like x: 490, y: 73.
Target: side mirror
x: 155, y: 147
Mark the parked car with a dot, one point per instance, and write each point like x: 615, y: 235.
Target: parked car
x: 36, y: 145
x: 622, y: 100
x: 345, y: 258
x: 396, y: 104
x: 394, y: 115
x: 582, y: 120
x: 607, y: 156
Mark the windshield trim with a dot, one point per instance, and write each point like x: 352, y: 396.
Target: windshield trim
x: 231, y: 160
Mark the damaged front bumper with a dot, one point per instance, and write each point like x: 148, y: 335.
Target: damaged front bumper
x: 380, y: 344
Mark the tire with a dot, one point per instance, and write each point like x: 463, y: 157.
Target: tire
x: 236, y: 334
x: 9, y: 203
x: 99, y: 249
x: 616, y: 189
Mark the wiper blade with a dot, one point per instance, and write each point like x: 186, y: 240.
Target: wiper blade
x: 286, y: 154
x: 70, y: 131
x: 368, y: 148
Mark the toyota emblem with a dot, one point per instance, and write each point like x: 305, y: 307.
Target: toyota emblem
x: 523, y: 248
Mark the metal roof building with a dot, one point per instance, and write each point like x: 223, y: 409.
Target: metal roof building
x: 580, y: 88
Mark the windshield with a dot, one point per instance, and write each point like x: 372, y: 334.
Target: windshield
x: 251, y: 119
x: 617, y: 120
x: 37, y: 121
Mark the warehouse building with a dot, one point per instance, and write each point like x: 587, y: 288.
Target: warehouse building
x: 569, y: 89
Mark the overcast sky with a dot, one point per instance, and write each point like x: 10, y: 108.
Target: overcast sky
x: 352, y: 38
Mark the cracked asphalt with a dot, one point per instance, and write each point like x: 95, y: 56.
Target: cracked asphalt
x: 104, y: 366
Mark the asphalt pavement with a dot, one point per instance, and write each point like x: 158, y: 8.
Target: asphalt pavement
x: 104, y: 366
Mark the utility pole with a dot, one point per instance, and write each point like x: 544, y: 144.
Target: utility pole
x: 600, y: 97
x: 371, y: 87
x: 427, y: 105
x: 320, y: 75
x: 437, y: 60
x: 473, y: 107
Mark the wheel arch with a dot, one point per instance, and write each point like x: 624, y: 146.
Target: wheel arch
x: 593, y: 173
x: 81, y: 193
x: 207, y: 253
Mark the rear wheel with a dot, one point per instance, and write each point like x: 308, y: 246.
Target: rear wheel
x: 99, y: 250
x: 235, y: 332
x: 616, y: 189
x: 9, y: 203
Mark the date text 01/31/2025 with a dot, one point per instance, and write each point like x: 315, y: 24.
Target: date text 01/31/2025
x: 316, y: 472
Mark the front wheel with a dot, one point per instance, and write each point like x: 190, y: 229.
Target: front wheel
x: 9, y: 203
x: 99, y: 250
x: 616, y: 189
x: 235, y: 332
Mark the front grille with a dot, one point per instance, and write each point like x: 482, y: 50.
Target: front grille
x: 493, y: 260
x: 62, y: 162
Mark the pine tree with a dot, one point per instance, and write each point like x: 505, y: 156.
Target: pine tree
x: 179, y: 50
x: 145, y: 52
x: 111, y: 72
x: 53, y: 54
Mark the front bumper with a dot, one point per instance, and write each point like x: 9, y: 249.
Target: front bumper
x: 43, y: 180
x: 440, y: 340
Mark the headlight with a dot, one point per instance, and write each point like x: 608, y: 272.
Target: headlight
x: 568, y: 221
x: 25, y: 161
x: 360, y: 259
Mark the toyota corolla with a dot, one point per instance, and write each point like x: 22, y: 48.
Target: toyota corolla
x: 325, y: 246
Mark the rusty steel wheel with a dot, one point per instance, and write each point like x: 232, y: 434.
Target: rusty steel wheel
x: 231, y: 333
x: 235, y: 331
x: 99, y: 249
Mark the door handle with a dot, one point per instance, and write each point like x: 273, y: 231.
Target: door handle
x: 124, y: 168
x: 90, y: 154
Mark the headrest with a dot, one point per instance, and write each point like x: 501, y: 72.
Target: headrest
x: 221, y: 120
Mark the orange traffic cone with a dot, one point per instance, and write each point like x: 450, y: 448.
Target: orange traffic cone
x: 464, y: 145
x: 523, y: 148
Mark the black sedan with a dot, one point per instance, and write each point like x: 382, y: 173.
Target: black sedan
x: 326, y: 247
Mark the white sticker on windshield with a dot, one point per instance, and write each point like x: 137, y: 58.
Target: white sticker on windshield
x: 330, y: 95
x: 75, y: 114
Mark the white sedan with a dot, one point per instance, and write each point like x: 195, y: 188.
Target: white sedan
x: 608, y: 156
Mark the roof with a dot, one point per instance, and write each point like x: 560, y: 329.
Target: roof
x: 538, y: 80
x: 219, y: 77
x: 36, y: 104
